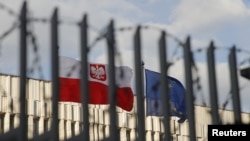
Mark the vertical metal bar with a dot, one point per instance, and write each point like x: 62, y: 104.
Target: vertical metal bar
x: 139, y: 85
x: 164, y: 82
x: 54, y: 73
x: 114, y: 134
x: 212, y: 84
x: 189, y: 87
x: 23, y: 69
x: 235, y: 86
x: 84, y: 77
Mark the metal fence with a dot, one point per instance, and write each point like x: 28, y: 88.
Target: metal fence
x: 20, y: 133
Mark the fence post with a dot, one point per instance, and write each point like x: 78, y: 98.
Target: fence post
x: 23, y: 76
x: 54, y: 73
x: 114, y: 136
x: 189, y: 87
x: 139, y: 85
x: 213, y: 84
x: 234, y: 85
x: 84, y: 77
x: 163, y: 83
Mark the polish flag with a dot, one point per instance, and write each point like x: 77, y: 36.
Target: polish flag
x: 98, y: 83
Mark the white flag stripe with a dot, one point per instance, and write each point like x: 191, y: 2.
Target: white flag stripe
x: 123, y: 75
x: 70, y: 68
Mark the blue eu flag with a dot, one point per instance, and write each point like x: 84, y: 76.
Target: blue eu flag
x: 153, y: 95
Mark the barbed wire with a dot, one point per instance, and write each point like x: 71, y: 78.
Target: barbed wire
x: 102, y: 34
x: 14, y: 25
x: 36, y: 63
x: 196, y: 80
x: 8, y: 10
x: 10, y: 30
x: 7, y: 33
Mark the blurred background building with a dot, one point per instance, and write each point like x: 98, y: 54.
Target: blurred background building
x: 70, y: 115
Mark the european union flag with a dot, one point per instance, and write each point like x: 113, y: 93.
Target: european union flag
x: 153, y: 95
